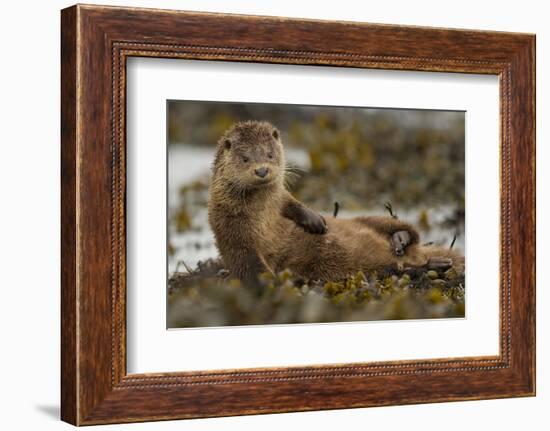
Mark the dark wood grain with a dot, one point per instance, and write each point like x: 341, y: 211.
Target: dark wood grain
x: 69, y: 331
x: 96, y: 41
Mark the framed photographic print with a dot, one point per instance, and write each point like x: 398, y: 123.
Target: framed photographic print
x: 264, y: 214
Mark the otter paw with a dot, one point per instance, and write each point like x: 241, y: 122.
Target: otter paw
x: 399, y: 242
x: 439, y: 263
x: 313, y: 223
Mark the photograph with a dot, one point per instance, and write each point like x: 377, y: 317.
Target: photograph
x: 301, y: 214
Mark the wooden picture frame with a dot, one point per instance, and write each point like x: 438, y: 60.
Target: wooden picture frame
x: 95, y: 43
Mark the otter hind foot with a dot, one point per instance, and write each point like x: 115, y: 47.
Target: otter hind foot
x: 441, y: 263
x: 399, y: 242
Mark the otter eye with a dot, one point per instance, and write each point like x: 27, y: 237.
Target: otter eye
x: 246, y: 159
x: 275, y: 134
x: 227, y: 144
x: 270, y: 155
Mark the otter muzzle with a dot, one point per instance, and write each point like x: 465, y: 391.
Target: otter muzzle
x: 261, y: 172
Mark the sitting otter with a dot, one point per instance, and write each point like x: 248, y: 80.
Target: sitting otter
x: 259, y: 226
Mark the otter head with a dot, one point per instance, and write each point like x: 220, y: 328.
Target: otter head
x: 251, y: 155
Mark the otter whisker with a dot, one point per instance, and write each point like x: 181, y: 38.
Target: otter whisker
x: 294, y: 169
x: 290, y: 178
x: 291, y: 172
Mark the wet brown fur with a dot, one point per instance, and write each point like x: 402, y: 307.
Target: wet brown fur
x: 259, y: 226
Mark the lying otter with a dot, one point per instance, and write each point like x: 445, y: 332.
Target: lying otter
x: 259, y: 226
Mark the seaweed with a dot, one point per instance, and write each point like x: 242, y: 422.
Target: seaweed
x: 208, y: 296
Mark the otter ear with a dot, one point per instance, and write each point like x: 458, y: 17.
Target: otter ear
x: 227, y: 144
x: 275, y: 134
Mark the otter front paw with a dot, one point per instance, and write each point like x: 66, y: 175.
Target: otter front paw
x: 399, y: 242
x: 312, y: 222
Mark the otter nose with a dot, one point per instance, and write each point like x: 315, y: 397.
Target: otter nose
x: 261, y: 172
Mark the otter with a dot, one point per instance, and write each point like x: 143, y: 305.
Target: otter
x: 259, y: 226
